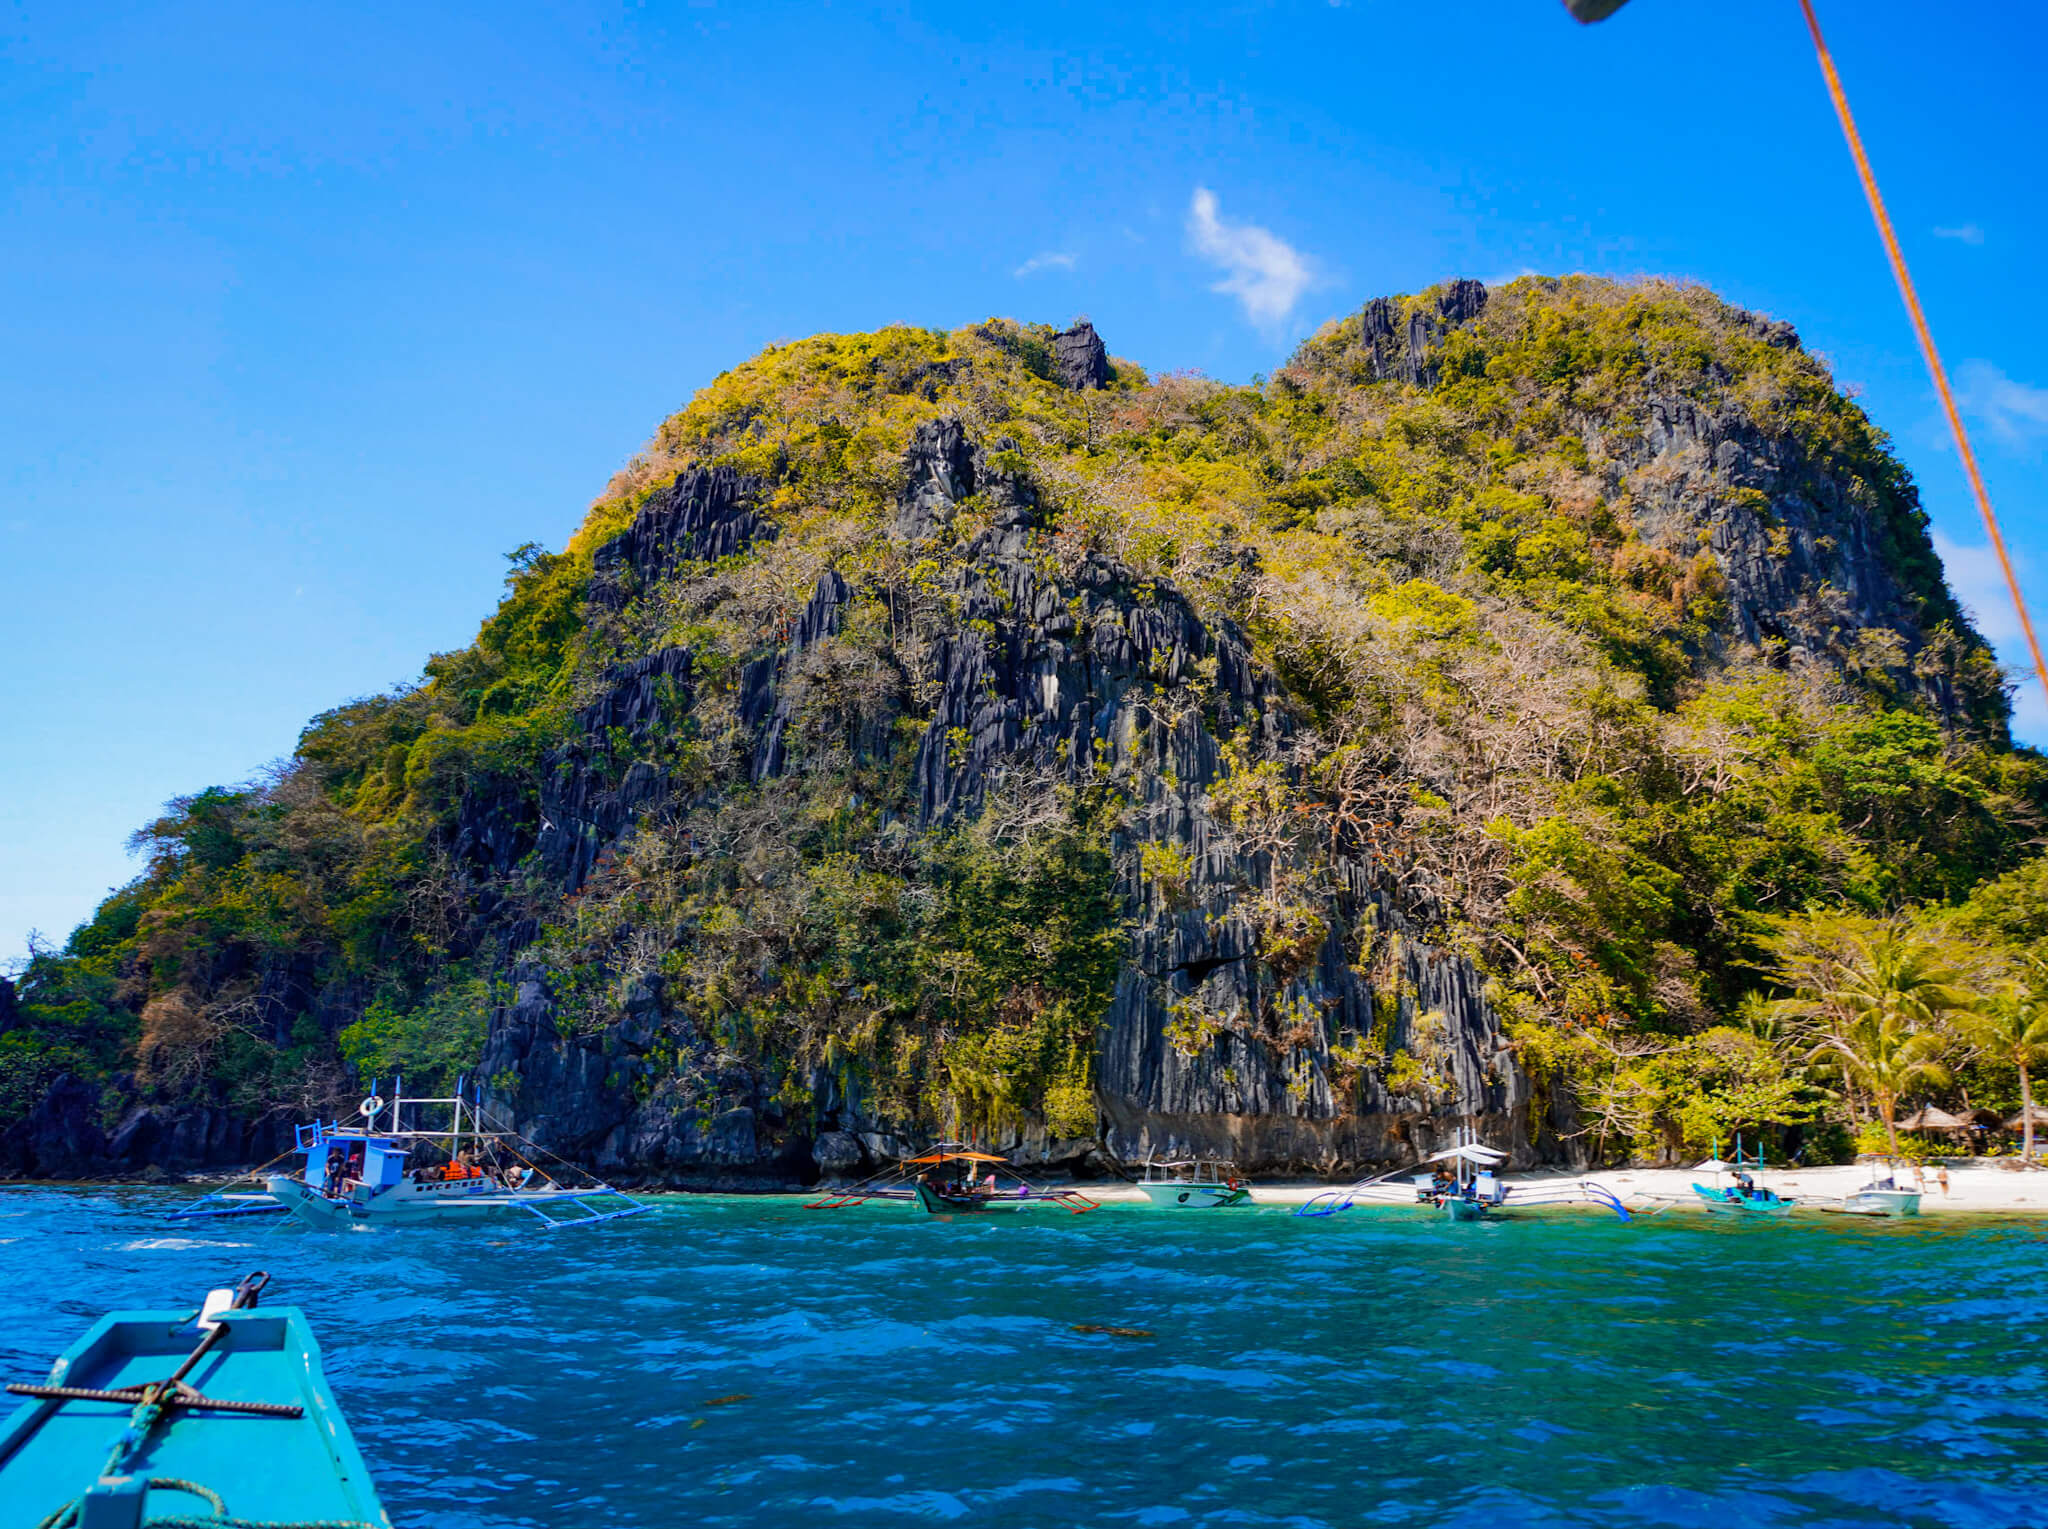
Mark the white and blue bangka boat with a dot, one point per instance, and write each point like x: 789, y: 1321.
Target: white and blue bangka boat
x: 1194, y: 1183
x: 1745, y: 1196
x: 219, y: 1416
x: 400, y: 1174
x: 1463, y: 1184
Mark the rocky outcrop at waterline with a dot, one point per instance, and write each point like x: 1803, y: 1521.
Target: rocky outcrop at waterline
x: 1332, y: 709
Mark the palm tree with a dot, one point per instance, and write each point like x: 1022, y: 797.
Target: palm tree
x: 1871, y: 995
x: 1887, y: 1057
x: 2012, y: 1025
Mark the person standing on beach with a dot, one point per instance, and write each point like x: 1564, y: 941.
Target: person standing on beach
x: 1941, y: 1178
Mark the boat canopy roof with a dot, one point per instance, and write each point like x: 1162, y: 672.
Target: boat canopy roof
x: 1470, y: 1152
x: 1712, y: 1165
x: 943, y: 1156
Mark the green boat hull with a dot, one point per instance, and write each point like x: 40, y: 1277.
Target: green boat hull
x: 268, y: 1469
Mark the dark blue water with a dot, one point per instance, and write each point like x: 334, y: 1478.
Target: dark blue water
x: 747, y: 1362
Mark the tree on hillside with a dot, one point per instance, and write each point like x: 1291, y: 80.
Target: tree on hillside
x: 1871, y: 996
x: 2012, y: 1025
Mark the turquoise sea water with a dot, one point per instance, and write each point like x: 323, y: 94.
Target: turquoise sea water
x: 748, y: 1362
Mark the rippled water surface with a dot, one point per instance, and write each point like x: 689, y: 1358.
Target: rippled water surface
x: 748, y: 1362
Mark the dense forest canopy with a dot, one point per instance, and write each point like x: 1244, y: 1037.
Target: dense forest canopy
x: 1588, y: 624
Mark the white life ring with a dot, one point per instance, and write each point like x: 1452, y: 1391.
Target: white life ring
x: 372, y: 1107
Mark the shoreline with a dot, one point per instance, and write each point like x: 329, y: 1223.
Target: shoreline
x: 1976, y: 1186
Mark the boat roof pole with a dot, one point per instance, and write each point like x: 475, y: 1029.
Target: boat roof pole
x: 455, y: 1139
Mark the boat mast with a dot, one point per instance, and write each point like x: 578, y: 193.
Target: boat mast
x: 455, y: 1140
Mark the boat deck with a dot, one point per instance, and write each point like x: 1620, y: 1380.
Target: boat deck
x: 274, y: 1468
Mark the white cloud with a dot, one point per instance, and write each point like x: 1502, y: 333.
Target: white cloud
x: 1974, y: 575
x: 2029, y: 708
x: 1051, y: 260
x: 1261, y: 270
x: 2016, y: 412
x: 1967, y: 233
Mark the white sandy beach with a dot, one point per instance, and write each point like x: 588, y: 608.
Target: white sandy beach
x: 1982, y: 1185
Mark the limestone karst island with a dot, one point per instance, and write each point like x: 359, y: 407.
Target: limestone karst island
x: 1025, y: 767
x: 1517, y: 713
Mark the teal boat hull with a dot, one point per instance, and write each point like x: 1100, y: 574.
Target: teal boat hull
x: 265, y: 1468
x: 1720, y: 1203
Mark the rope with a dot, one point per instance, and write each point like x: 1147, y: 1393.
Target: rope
x: 1925, y: 335
x: 67, y: 1516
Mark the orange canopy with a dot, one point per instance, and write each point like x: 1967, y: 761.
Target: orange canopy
x: 954, y: 1157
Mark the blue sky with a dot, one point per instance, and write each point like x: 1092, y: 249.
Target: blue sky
x: 307, y: 314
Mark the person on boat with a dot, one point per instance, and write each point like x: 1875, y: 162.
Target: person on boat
x: 1745, y: 1186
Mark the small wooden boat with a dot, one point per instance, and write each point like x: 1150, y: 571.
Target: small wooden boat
x: 952, y: 1179
x: 1196, y: 1183
x: 219, y: 1416
x: 401, y: 1174
x: 1882, y: 1197
x: 1745, y: 1196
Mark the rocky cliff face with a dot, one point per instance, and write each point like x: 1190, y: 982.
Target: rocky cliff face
x: 1343, y: 659
x: 1049, y: 675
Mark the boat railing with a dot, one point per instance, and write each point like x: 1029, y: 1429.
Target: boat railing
x: 223, y: 1202
x: 1326, y: 1203
x: 1388, y: 1189
x: 896, y: 1183
x: 583, y: 1208
x: 1384, y: 1188
x: 1578, y: 1192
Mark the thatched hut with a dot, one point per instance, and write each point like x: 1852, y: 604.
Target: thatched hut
x: 1934, y: 1118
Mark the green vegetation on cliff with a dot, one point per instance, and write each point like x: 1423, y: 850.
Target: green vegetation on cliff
x: 1599, y: 628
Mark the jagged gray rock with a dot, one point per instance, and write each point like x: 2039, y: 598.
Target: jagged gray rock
x: 1397, y: 348
x: 1082, y: 358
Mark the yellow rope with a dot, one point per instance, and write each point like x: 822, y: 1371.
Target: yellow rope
x: 1926, y: 335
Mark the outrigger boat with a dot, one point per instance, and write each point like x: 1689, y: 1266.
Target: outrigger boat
x: 1464, y: 1184
x: 243, y: 1431
x: 949, y: 1180
x: 1744, y: 1197
x: 372, y: 1174
x: 1197, y: 1183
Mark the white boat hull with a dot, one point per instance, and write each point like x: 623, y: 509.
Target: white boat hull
x: 1883, y: 1202
x: 410, y: 1204
x: 1194, y: 1196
